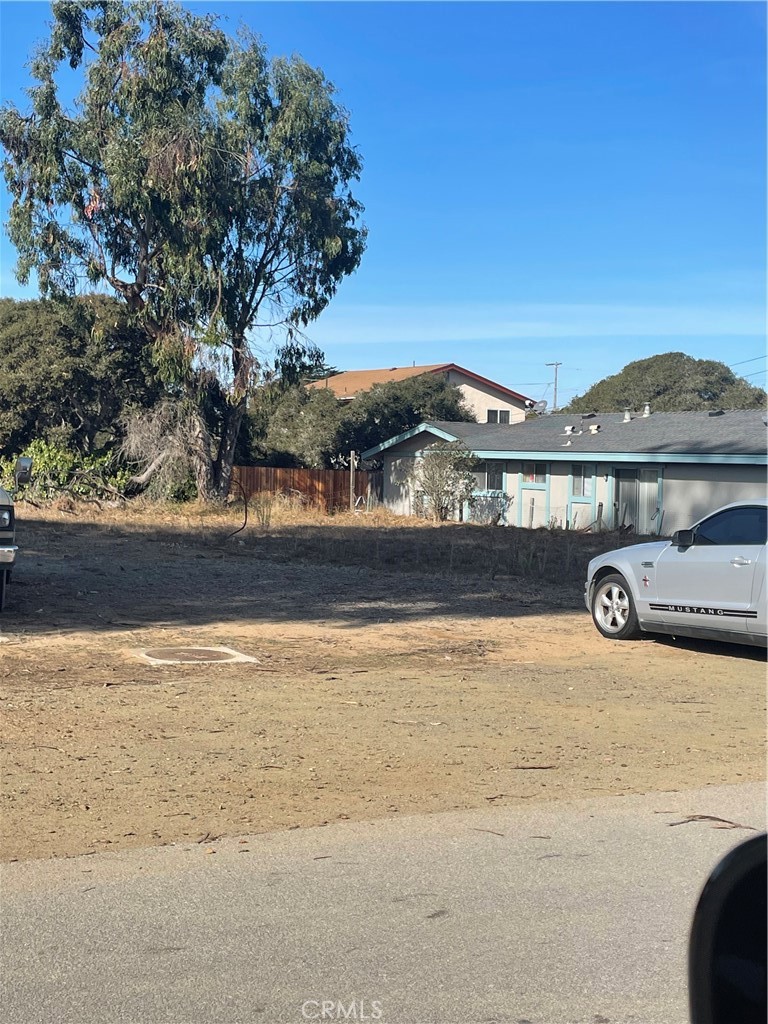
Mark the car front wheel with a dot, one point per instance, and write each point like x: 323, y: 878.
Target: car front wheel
x: 613, y: 609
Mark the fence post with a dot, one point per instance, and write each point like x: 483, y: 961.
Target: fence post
x: 352, y: 481
x: 530, y: 515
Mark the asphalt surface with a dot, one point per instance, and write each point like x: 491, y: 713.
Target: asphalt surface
x: 544, y: 914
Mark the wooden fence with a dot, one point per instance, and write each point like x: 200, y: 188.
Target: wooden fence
x: 327, y: 488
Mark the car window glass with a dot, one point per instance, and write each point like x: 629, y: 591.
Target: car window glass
x: 735, y: 526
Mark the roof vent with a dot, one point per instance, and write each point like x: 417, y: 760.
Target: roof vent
x: 569, y: 429
x: 647, y: 409
x: 627, y: 416
x: 567, y: 444
x: 717, y: 412
x: 594, y: 428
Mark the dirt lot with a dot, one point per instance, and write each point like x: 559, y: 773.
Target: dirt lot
x: 391, y: 689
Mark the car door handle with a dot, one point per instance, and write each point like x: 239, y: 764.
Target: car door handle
x: 741, y: 561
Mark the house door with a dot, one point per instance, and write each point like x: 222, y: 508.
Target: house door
x: 637, y: 499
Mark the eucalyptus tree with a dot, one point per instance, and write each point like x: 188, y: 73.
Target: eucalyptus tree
x: 204, y: 183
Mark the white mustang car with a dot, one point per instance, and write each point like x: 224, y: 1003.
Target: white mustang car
x: 708, y: 581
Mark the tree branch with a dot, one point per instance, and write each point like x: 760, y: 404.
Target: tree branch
x: 143, y: 478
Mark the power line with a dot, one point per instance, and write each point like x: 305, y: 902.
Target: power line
x: 746, y: 376
x: 746, y: 361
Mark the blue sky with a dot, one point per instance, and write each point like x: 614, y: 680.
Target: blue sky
x: 580, y: 182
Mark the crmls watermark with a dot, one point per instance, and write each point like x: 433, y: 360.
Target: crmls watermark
x: 338, y: 1009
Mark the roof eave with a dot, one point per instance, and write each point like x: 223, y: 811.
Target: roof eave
x: 421, y: 429
x: 575, y: 455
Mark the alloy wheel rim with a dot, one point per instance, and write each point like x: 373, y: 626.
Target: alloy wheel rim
x: 612, y: 606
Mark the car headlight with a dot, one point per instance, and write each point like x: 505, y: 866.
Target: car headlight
x: 5, y: 518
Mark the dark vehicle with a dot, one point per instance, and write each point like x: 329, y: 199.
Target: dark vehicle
x: 8, y: 548
x: 727, y: 952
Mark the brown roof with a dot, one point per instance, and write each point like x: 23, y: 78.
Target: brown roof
x: 352, y: 382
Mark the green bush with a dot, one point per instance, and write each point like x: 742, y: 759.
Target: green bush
x: 56, y: 469
x: 177, y: 493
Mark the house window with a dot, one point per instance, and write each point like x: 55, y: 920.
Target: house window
x: 494, y: 476
x: 534, y: 472
x: 498, y: 416
x: 582, y: 480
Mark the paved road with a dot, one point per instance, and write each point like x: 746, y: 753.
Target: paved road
x: 573, y: 913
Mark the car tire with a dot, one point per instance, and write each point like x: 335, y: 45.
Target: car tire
x: 613, y: 609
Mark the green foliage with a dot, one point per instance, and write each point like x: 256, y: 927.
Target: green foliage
x: 206, y: 185
x: 390, y: 409
x: 69, y: 371
x: 310, y: 427
x: 673, y: 382
x: 56, y: 469
x: 296, y: 364
x: 180, y: 493
x: 284, y: 375
x: 303, y: 428
x: 444, y: 479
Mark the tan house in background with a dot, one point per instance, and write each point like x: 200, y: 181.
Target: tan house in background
x: 489, y: 401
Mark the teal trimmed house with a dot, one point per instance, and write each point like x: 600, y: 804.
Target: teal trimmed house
x: 651, y: 472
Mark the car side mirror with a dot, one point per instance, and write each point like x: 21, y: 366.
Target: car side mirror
x: 683, y: 538
x: 22, y: 473
x: 727, y: 950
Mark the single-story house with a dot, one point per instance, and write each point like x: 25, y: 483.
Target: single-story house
x: 489, y: 401
x: 653, y: 473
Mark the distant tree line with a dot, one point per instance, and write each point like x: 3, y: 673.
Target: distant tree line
x: 671, y: 382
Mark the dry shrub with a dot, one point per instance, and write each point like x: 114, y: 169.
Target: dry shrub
x: 293, y: 507
x: 262, y: 505
x: 162, y: 443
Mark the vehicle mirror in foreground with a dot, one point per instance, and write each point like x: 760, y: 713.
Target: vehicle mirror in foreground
x: 22, y: 474
x: 682, y: 538
x: 727, y: 950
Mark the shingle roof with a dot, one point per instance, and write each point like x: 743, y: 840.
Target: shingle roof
x: 741, y: 432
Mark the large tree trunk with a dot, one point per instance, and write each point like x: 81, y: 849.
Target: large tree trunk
x: 229, y: 434
x: 202, y: 463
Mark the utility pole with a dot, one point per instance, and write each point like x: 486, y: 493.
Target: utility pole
x: 554, y: 397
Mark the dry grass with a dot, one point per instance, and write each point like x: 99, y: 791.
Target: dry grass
x: 288, y: 529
